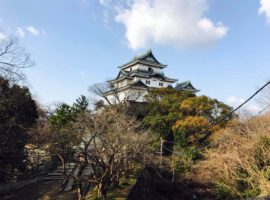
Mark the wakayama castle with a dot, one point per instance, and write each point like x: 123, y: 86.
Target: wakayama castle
x: 140, y: 75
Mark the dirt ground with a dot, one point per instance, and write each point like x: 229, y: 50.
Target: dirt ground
x: 44, y: 190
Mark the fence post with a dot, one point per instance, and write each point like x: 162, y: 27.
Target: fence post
x: 161, y: 150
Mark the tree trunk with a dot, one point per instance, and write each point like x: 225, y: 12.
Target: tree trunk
x: 79, y: 180
x: 102, y: 190
x: 63, y: 162
x: 79, y: 191
x: 99, y: 190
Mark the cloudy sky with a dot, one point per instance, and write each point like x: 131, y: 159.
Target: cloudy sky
x: 222, y: 46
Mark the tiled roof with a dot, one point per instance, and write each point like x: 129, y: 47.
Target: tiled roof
x: 147, y: 57
x: 187, y: 86
x: 138, y: 83
x: 146, y: 74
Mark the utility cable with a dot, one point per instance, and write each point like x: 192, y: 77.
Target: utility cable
x: 233, y: 111
x: 260, y: 112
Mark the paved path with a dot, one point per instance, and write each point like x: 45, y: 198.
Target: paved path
x: 44, y: 190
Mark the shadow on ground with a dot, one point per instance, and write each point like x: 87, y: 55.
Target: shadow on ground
x: 44, y: 190
x: 158, y: 185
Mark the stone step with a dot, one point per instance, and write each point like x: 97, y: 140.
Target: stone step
x: 68, y: 165
x: 53, y: 178
x: 57, y: 174
x: 61, y: 171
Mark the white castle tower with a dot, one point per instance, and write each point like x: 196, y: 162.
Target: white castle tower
x: 138, y: 76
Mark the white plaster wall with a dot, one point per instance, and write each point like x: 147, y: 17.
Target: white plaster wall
x: 120, y: 84
x: 134, y: 68
x: 145, y: 68
x: 154, y: 82
x: 134, y: 95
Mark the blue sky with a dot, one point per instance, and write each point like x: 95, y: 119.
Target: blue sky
x: 223, y: 47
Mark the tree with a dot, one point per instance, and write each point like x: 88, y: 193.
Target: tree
x: 197, y: 114
x: 181, y: 115
x: 13, y: 59
x: 38, y: 156
x: 62, y: 138
x: 163, y: 109
x: 181, y: 118
x: 18, y: 113
x: 111, y: 141
x: 100, y: 91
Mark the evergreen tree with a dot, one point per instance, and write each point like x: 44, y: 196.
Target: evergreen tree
x: 18, y: 113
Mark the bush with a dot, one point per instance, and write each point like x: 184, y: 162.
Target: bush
x: 239, y: 162
x: 224, y: 191
x: 184, y: 158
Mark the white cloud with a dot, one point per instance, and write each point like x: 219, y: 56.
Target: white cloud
x: 2, y: 36
x: 105, y: 2
x: 20, y: 32
x: 178, y: 23
x: 265, y: 9
x: 33, y: 30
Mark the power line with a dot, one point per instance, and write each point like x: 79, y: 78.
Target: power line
x: 260, y: 112
x: 211, y: 144
x: 224, y: 137
x: 233, y: 111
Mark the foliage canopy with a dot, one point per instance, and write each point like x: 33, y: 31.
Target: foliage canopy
x: 18, y: 112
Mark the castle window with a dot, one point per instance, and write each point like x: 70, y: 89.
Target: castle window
x: 130, y: 69
x: 161, y: 84
x: 150, y: 69
x: 147, y: 82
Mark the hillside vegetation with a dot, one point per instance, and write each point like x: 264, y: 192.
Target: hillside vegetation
x: 239, y: 162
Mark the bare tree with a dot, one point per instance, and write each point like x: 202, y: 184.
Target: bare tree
x: 13, y: 58
x: 99, y: 91
x: 111, y: 141
x: 102, y: 91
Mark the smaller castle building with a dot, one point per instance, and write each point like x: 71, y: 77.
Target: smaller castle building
x: 140, y: 75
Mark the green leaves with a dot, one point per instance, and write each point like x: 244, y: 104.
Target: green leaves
x: 180, y: 111
x: 163, y: 109
x: 80, y: 104
x: 18, y: 113
x: 62, y: 123
x: 65, y: 113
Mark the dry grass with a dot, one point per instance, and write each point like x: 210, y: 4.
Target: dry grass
x: 239, y: 163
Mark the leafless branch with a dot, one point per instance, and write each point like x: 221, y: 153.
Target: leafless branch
x: 13, y: 58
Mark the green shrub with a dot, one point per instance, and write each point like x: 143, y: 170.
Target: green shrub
x: 266, y: 173
x: 185, y: 158
x: 250, y: 193
x: 224, y: 191
x: 193, y: 153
